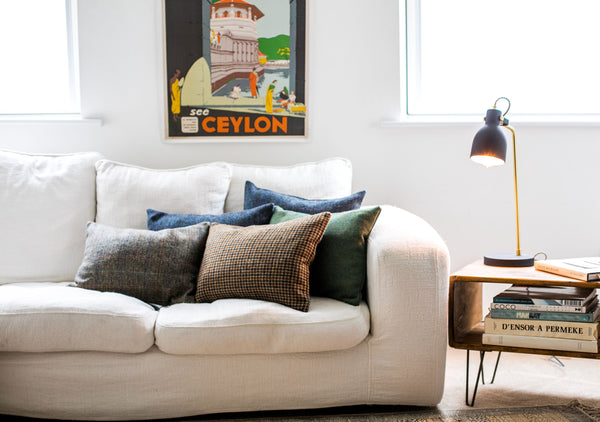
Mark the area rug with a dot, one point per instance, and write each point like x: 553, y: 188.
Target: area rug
x: 572, y: 412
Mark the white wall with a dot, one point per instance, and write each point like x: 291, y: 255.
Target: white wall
x: 353, y: 87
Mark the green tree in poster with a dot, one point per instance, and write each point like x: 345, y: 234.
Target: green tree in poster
x: 284, y: 53
x: 272, y: 47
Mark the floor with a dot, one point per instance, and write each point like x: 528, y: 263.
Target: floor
x: 521, y: 380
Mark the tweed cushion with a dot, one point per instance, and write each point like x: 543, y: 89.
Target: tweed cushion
x: 254, y: 196
x: 261, y: 262
x: 157, y: 267
x: 339, y: 270
x: 158, y: 220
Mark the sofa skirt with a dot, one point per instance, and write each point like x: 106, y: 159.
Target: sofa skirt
x: 155, y: 385
x: 152, y: 385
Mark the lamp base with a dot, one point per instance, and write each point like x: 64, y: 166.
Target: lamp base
x: 508, y: 260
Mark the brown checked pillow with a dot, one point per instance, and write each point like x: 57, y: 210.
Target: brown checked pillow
x: 261, y: 262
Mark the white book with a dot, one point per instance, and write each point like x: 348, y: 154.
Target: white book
x: 586, y: 269
x: 551, y: 343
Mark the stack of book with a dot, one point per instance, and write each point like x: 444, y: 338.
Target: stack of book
x: 555, y: 318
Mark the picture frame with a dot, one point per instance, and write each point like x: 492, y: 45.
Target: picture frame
x: 234, y: 70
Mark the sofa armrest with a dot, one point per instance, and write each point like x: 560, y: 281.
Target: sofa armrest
x: 407, y: 292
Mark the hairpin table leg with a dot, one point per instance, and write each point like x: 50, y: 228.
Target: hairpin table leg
x: 556, y: 361
x: 479, y: 375
x: 496, y: 367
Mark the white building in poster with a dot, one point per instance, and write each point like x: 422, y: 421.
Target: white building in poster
x: 233, y: 41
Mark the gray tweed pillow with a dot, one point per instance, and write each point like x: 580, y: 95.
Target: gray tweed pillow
x: 159, y: 267
x: 261, y: 262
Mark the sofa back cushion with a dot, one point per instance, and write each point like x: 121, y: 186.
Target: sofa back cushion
x: 125, y: 192
x: 326, y: 179
x: 45, y: 204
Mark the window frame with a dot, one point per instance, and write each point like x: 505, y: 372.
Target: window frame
x: 409, y: 20
x: 74, y: 82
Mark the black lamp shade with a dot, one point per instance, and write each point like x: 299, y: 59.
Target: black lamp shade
x: 490, y: 141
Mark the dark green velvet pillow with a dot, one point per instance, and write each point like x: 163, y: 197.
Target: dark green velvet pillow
x: 339, y: 270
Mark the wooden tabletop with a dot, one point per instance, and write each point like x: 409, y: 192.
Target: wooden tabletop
x: 479, y: 272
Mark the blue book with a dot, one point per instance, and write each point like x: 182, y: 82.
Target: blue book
x: 546, y: 316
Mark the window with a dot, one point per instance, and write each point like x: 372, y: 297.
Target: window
x: 459, y: 56
x: 39, y: 72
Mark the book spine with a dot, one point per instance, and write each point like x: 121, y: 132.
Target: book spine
x: 590, y: 346
x: 528, y: 307
x: 522, y: 301
x: 528, y: 301
x: 561, y: 329
x: 542, y: 266
x: 543, y: 316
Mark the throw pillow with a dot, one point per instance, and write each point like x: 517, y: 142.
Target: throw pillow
x: 261, y: 262
x: 125, y: 192
x: 156, y: 267
x: 158, y: 220
x: 254, y: 196
x: 339, y: 270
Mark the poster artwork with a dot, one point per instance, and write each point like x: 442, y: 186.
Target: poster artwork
x: 235, y: 68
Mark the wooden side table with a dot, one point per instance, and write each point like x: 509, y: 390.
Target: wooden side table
x: 465, y: 313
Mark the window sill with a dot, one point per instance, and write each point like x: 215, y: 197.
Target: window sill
x: 48, y: 119
x: 521, y: 120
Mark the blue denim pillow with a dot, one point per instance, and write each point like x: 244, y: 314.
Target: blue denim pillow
x: 254, y: 196
x: 158, y: 220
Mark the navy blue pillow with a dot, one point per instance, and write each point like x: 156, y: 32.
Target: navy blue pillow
x: 158, y: 220
x: 254, y: 196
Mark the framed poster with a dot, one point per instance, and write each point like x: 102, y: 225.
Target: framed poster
x: 235, y: 68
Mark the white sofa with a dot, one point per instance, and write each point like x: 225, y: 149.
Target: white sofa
x: 73, y: 353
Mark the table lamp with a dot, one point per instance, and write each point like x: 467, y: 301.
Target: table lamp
x: 489, y: 149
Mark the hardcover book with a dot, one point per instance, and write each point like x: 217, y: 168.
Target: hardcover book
x: 547, y: 295
x: 561, y: 329
x: 586, y: 269
x: 552, y: 343
x: 588, y: 307
x: 546, y: 315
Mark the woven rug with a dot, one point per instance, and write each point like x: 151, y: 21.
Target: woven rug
x: 572, y: 412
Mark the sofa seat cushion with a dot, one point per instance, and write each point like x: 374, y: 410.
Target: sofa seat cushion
x: 241, y: 326
x: 53, y: 317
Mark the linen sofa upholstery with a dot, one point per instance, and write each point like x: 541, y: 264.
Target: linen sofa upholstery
x: 54, y: 317
x: 234, y: 326
x: 44, y: 201
x: 71, y: 353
